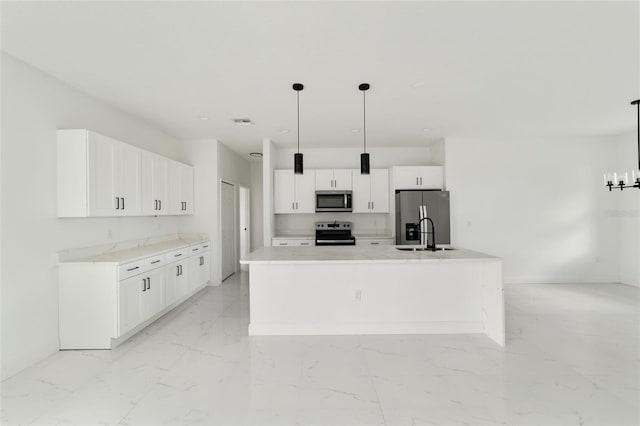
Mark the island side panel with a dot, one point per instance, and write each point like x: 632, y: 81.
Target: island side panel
x: 366, y: 298
x: 493, y: 301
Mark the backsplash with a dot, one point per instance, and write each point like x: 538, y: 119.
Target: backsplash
x: 303, y: 224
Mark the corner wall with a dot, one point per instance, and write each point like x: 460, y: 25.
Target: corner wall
x: 539, y: 204
x: 34, y: 105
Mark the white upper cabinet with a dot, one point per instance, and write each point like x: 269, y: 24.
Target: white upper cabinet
x: 371, y: 192
x: 180, y: 188
x: 284, y: 191
x: 418, y: 177
x: 333, y: 180
x: 128, y: 179
x: 99, y: 176
x: 155, y: 189
x: 305, y: 192
x: 294, y: 193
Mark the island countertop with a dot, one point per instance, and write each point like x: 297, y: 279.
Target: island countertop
x: 359, y: 254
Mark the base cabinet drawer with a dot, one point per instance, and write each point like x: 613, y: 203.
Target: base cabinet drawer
x: 374, y: 241
x: 292, y: 242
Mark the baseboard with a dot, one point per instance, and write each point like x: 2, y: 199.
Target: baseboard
x: 551, y: 279
x: 444, y: 327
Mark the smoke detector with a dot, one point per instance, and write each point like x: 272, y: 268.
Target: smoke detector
x: 243, y: 121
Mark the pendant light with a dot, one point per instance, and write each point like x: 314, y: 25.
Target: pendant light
x: 298, y: 168
x: 621, y: 181
x: 364, y: 157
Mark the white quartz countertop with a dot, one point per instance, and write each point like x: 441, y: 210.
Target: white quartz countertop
x: 140, y: 252
x: 358, y: 254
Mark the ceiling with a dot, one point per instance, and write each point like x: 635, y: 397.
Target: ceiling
x: 457, y: 69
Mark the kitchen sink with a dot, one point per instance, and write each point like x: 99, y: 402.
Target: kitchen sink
x: 424, y: 249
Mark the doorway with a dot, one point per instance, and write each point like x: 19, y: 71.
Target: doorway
x: 245, y: 221
x: 228, y: 229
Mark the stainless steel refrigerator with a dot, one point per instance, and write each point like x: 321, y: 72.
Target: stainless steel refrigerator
x: 408, y: 216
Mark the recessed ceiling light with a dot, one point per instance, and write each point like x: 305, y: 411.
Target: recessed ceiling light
x: 243, y: 121
x: 203, y: 118
x: 284, y: 131
x: 355, y: 130
x: 418, y: 84
x: 255, y: 154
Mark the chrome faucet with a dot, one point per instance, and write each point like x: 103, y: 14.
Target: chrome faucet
x: 433, y: 233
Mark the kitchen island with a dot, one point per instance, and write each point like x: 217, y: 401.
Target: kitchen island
x: 374, y: 290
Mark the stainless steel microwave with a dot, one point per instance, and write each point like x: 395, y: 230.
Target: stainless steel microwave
x: 333, y: 201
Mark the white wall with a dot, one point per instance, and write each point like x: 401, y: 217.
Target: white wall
x: 34, y: 105
x: 236, y: 170
x: 203, y: 156
x: 627, y: 213
x: 537, y: 203
x: 257, y: 208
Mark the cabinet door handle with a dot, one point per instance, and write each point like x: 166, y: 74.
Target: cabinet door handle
x: 296, y: 205
x: 155, y: 261
x: 132, y: 269
x: 148, y: 283
x: 417, y: 181
x: 372, y: 205
x: 201, y: 260
x: 181, y: 270
x: 159, y: 204
x: 117, y: 203
x: 177, y: 270
x: 144, y: 284
x: 155, y: 204
x: 420, y: 181
x: 122, y: 203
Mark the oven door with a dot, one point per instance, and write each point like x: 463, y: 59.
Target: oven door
x: 333, y: 201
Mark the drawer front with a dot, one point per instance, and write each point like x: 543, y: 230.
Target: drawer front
x: 284, y: 242
x: 374, y: 241
x: 131, y: 269
x: 177, y: 255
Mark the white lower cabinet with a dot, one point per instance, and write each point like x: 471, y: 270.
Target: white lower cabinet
x: 101, y: 303
x: 129, y: 303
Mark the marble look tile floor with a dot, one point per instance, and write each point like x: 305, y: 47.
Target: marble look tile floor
x: 572, y: 358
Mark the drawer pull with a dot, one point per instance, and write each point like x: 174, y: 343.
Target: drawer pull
x: 375, y: 243
x: 195, y: 249
x: 177, y: 255
x: 155, y: 261
x: 132, y: 269
x: 205, y: 246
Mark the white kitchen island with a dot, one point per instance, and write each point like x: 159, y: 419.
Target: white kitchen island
x: 374, y: 290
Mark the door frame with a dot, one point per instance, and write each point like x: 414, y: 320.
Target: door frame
x: 235, y: 226
x: 247, y: 207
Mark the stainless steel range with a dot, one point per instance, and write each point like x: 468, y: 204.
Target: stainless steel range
x: 334, y: 234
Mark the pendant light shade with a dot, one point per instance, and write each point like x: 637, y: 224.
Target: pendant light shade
x: 298, y: 167
x: 364, y: 157
x: 364, y: 163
